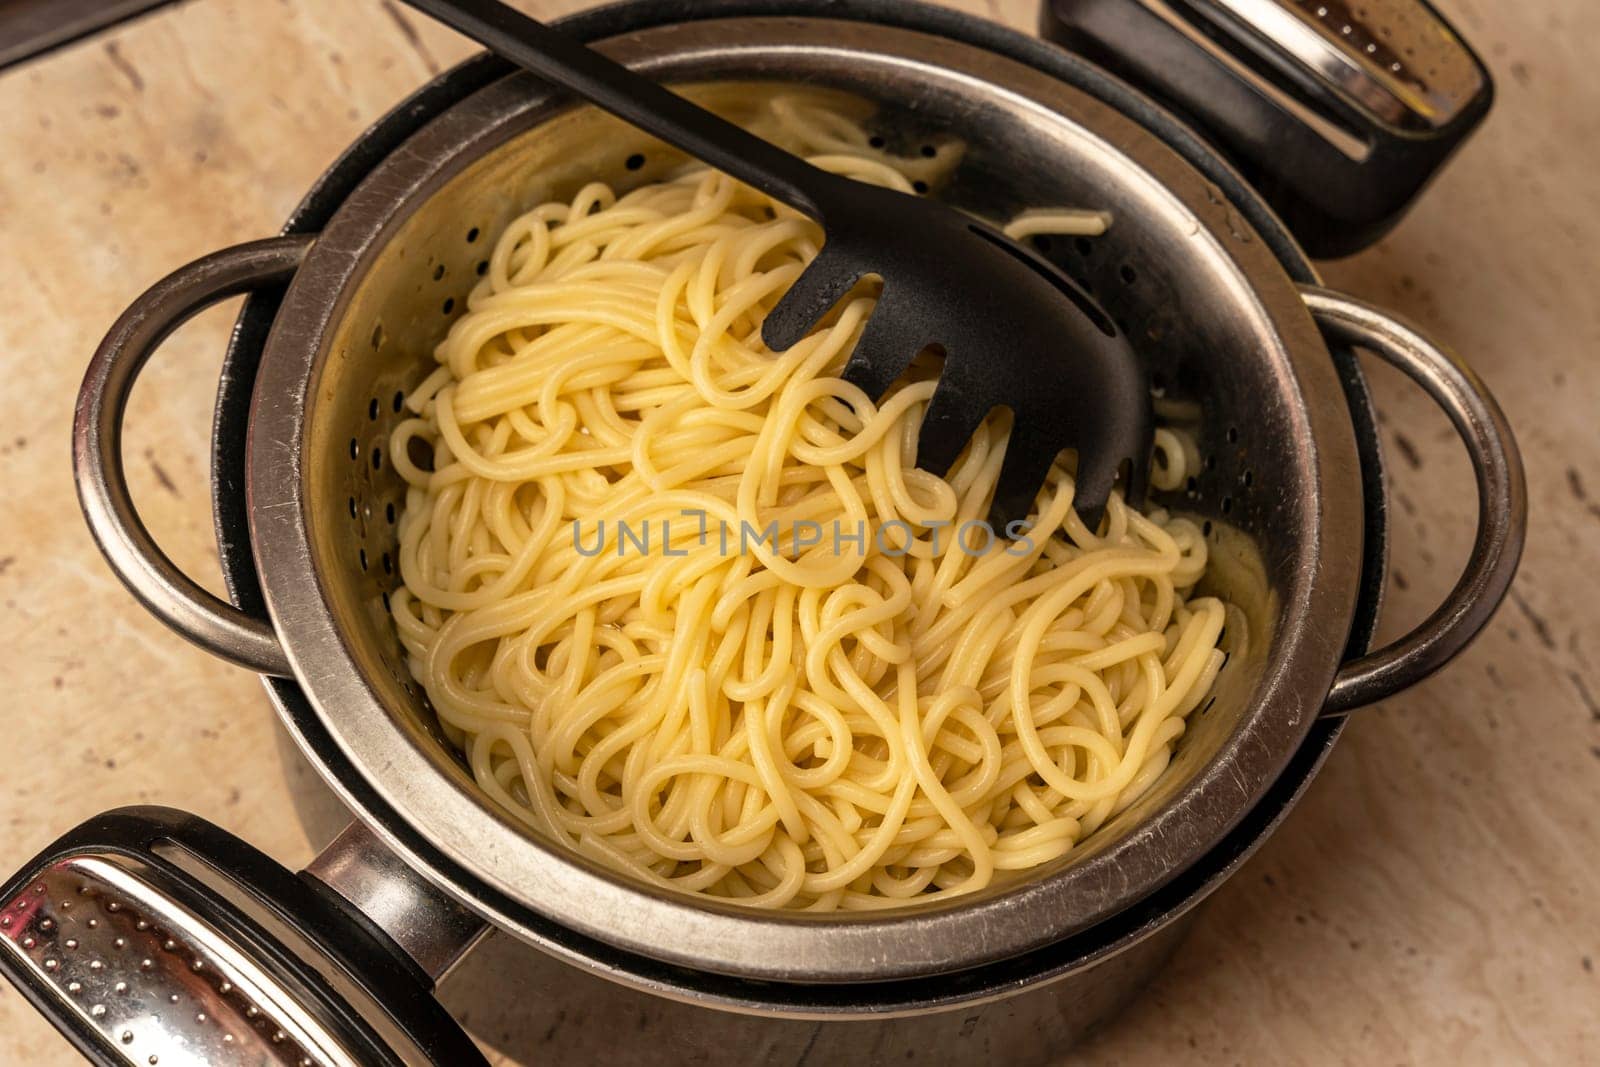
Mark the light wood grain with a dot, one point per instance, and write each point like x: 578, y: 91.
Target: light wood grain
x: 1436, y: 899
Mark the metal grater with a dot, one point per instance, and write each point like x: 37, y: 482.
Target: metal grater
x: 145, y: 984
x: 155, y: 939
x: 1340, y: 111
x: 1394, y: 57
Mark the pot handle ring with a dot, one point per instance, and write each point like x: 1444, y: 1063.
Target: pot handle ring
x: 1502, y: 498
x: 164, y: 590
x: 146, y: 931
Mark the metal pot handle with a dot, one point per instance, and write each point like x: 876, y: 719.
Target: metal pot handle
x: 1502, y: 499
x: 168, y: 593
x: 146, y: 932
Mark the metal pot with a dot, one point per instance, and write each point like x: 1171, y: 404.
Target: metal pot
x: 393, y: 904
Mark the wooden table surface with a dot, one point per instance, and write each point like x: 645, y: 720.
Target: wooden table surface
x: 1435, y: 899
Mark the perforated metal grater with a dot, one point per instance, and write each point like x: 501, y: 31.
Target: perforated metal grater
x: 154, y: 939
x: 1339, y: 111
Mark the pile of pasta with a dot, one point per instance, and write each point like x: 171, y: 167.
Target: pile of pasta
x: 688, y: 607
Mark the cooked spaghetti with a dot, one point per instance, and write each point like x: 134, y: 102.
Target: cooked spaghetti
x: 688, y: 607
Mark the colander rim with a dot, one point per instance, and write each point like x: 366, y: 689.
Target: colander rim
x: 779, y: 946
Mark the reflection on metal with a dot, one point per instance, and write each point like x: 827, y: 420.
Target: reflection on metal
x: 1502, y: 498
x: 149, y: 981
x: 1393, y: 57
x: 427, y: 925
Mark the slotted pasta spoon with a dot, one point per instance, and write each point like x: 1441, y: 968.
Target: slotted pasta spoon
x: 1015, y: 331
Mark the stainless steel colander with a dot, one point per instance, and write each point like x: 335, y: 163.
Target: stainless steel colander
x: 1237, y: 356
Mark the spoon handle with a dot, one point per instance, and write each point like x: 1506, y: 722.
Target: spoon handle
x: 633, y: 98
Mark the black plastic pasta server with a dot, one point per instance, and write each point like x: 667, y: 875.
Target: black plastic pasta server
x: 1015, y: 331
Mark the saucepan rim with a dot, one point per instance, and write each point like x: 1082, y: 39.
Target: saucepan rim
x: 784, y: 946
